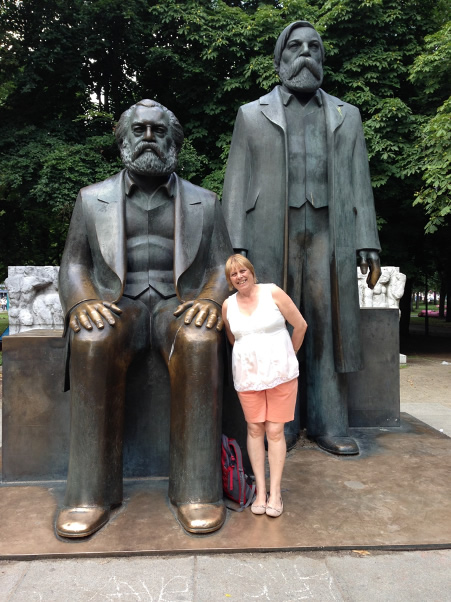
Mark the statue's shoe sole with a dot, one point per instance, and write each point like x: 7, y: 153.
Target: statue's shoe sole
x: 81, y: 521
x: 340, y: 446
x: 201, y: 518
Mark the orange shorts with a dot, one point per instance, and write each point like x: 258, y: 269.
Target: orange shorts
x: 275, y: 405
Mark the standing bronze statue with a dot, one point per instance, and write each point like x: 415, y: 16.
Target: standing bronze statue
x: 144, y: 265
x: 298, y: 202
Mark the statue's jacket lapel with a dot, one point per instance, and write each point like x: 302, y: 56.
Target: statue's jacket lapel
x: 343, y: 279
x: 104, y: 213
x: 341, y: 201
x: 188, y: 230
x: 107, y: 235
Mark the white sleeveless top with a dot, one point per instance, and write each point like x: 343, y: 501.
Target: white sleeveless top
x: 263, y: 355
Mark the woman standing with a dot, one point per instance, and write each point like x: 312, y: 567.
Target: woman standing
x: 265, y: 371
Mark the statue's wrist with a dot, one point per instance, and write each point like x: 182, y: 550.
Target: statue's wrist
x: 212, y: 301
x: 79, y: 303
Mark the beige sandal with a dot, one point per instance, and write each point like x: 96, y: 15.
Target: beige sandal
x: 274, y: 512
x: 259, y: 509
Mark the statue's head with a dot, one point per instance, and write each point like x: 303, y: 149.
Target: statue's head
x: 299, y: 57
x: 149, y: 137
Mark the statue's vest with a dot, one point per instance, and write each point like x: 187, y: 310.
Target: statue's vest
x: 150, y: 247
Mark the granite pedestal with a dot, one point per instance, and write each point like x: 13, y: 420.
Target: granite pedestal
x: 36, y: 412
x: 374, y: 392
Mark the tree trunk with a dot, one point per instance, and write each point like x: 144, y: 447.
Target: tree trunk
x: 426, y: 306
x: 448, y: 297
x: 441, y: 307
x: 404, y: 306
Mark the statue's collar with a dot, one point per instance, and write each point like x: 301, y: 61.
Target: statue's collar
x: 130, y: 185
x: 286, y: 97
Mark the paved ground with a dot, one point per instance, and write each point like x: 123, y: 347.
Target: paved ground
x: 426, y: 380
x: 349, y: 576
x: 288, y: 577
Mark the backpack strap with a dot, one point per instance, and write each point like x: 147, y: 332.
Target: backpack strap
x: 242, y: 477
x: 231, y: 449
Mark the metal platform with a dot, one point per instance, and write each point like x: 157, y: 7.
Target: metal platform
x: 395, y: 495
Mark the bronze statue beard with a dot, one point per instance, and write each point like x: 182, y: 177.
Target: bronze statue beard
x: 302, y: 75
x: 154, y: 163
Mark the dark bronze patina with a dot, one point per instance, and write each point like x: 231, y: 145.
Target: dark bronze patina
x: 298, y: 201
x: 144, y: 266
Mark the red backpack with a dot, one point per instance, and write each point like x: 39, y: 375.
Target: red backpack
x: 236, y: 484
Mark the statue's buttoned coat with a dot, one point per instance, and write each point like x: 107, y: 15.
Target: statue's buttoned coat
x: 94, y: 263
x: 255, y: 203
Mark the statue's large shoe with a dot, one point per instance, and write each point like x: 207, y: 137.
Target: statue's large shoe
x: 81, y: 521
x: 291, y: 440
x: 201, y: 518
x: 341, y: 446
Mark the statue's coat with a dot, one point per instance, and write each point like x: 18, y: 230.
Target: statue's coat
x: 94, y: 262
x: 255, y: 198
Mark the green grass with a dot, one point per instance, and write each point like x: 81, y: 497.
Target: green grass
x: 431, y: 306
x: 414, y: 315
x: 415, y: 318
x: 4, y: 321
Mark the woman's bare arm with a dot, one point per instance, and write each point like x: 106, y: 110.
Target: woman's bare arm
x: 291, y: 314
x: 226, y: 323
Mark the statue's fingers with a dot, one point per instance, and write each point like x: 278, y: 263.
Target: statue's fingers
x: 364, y: 266
x: 189, y: 316
x: 74, y: 325
x: 362, y: 261
x: 96, y: 318
x: 201, y: 318
x: 191, y: 313
x: 84, y: 320
x: 374, y: 275
x: 113, y: 307
x: 219, y: 324
x: 183, y: 307
x: 212, y: 319
x: 107, y: 315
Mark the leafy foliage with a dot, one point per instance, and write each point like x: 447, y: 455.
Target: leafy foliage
x: 434, y: 156
x: 70, y: 68
x: 432, y: 153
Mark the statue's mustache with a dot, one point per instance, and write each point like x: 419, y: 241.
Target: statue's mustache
x: 143, y: 146
x: 301, y: 62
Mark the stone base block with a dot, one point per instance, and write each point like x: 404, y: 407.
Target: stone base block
x: 36, y: 411
x: 374, y: 392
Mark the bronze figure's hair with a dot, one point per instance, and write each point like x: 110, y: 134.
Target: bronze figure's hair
x: 283, y: 39
x: 241, y: 261
x: 124, y: 122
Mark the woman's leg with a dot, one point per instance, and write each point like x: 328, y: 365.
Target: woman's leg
x: 277, y: 450
x: 256, y: 451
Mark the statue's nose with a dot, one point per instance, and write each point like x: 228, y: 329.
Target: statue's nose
x: 305, y: 50
x: 149, y: 135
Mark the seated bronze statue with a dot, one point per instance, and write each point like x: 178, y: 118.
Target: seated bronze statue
x: 144, y: 266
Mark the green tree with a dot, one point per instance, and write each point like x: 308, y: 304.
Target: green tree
x: 70, y: 68
x: 431, y: 156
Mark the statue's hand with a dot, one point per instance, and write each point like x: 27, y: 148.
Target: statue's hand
x: 205, y: 311
x: 93, y: 312
x: 368, y: 258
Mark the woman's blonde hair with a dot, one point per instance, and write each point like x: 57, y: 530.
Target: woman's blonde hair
x: 239, y: 260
